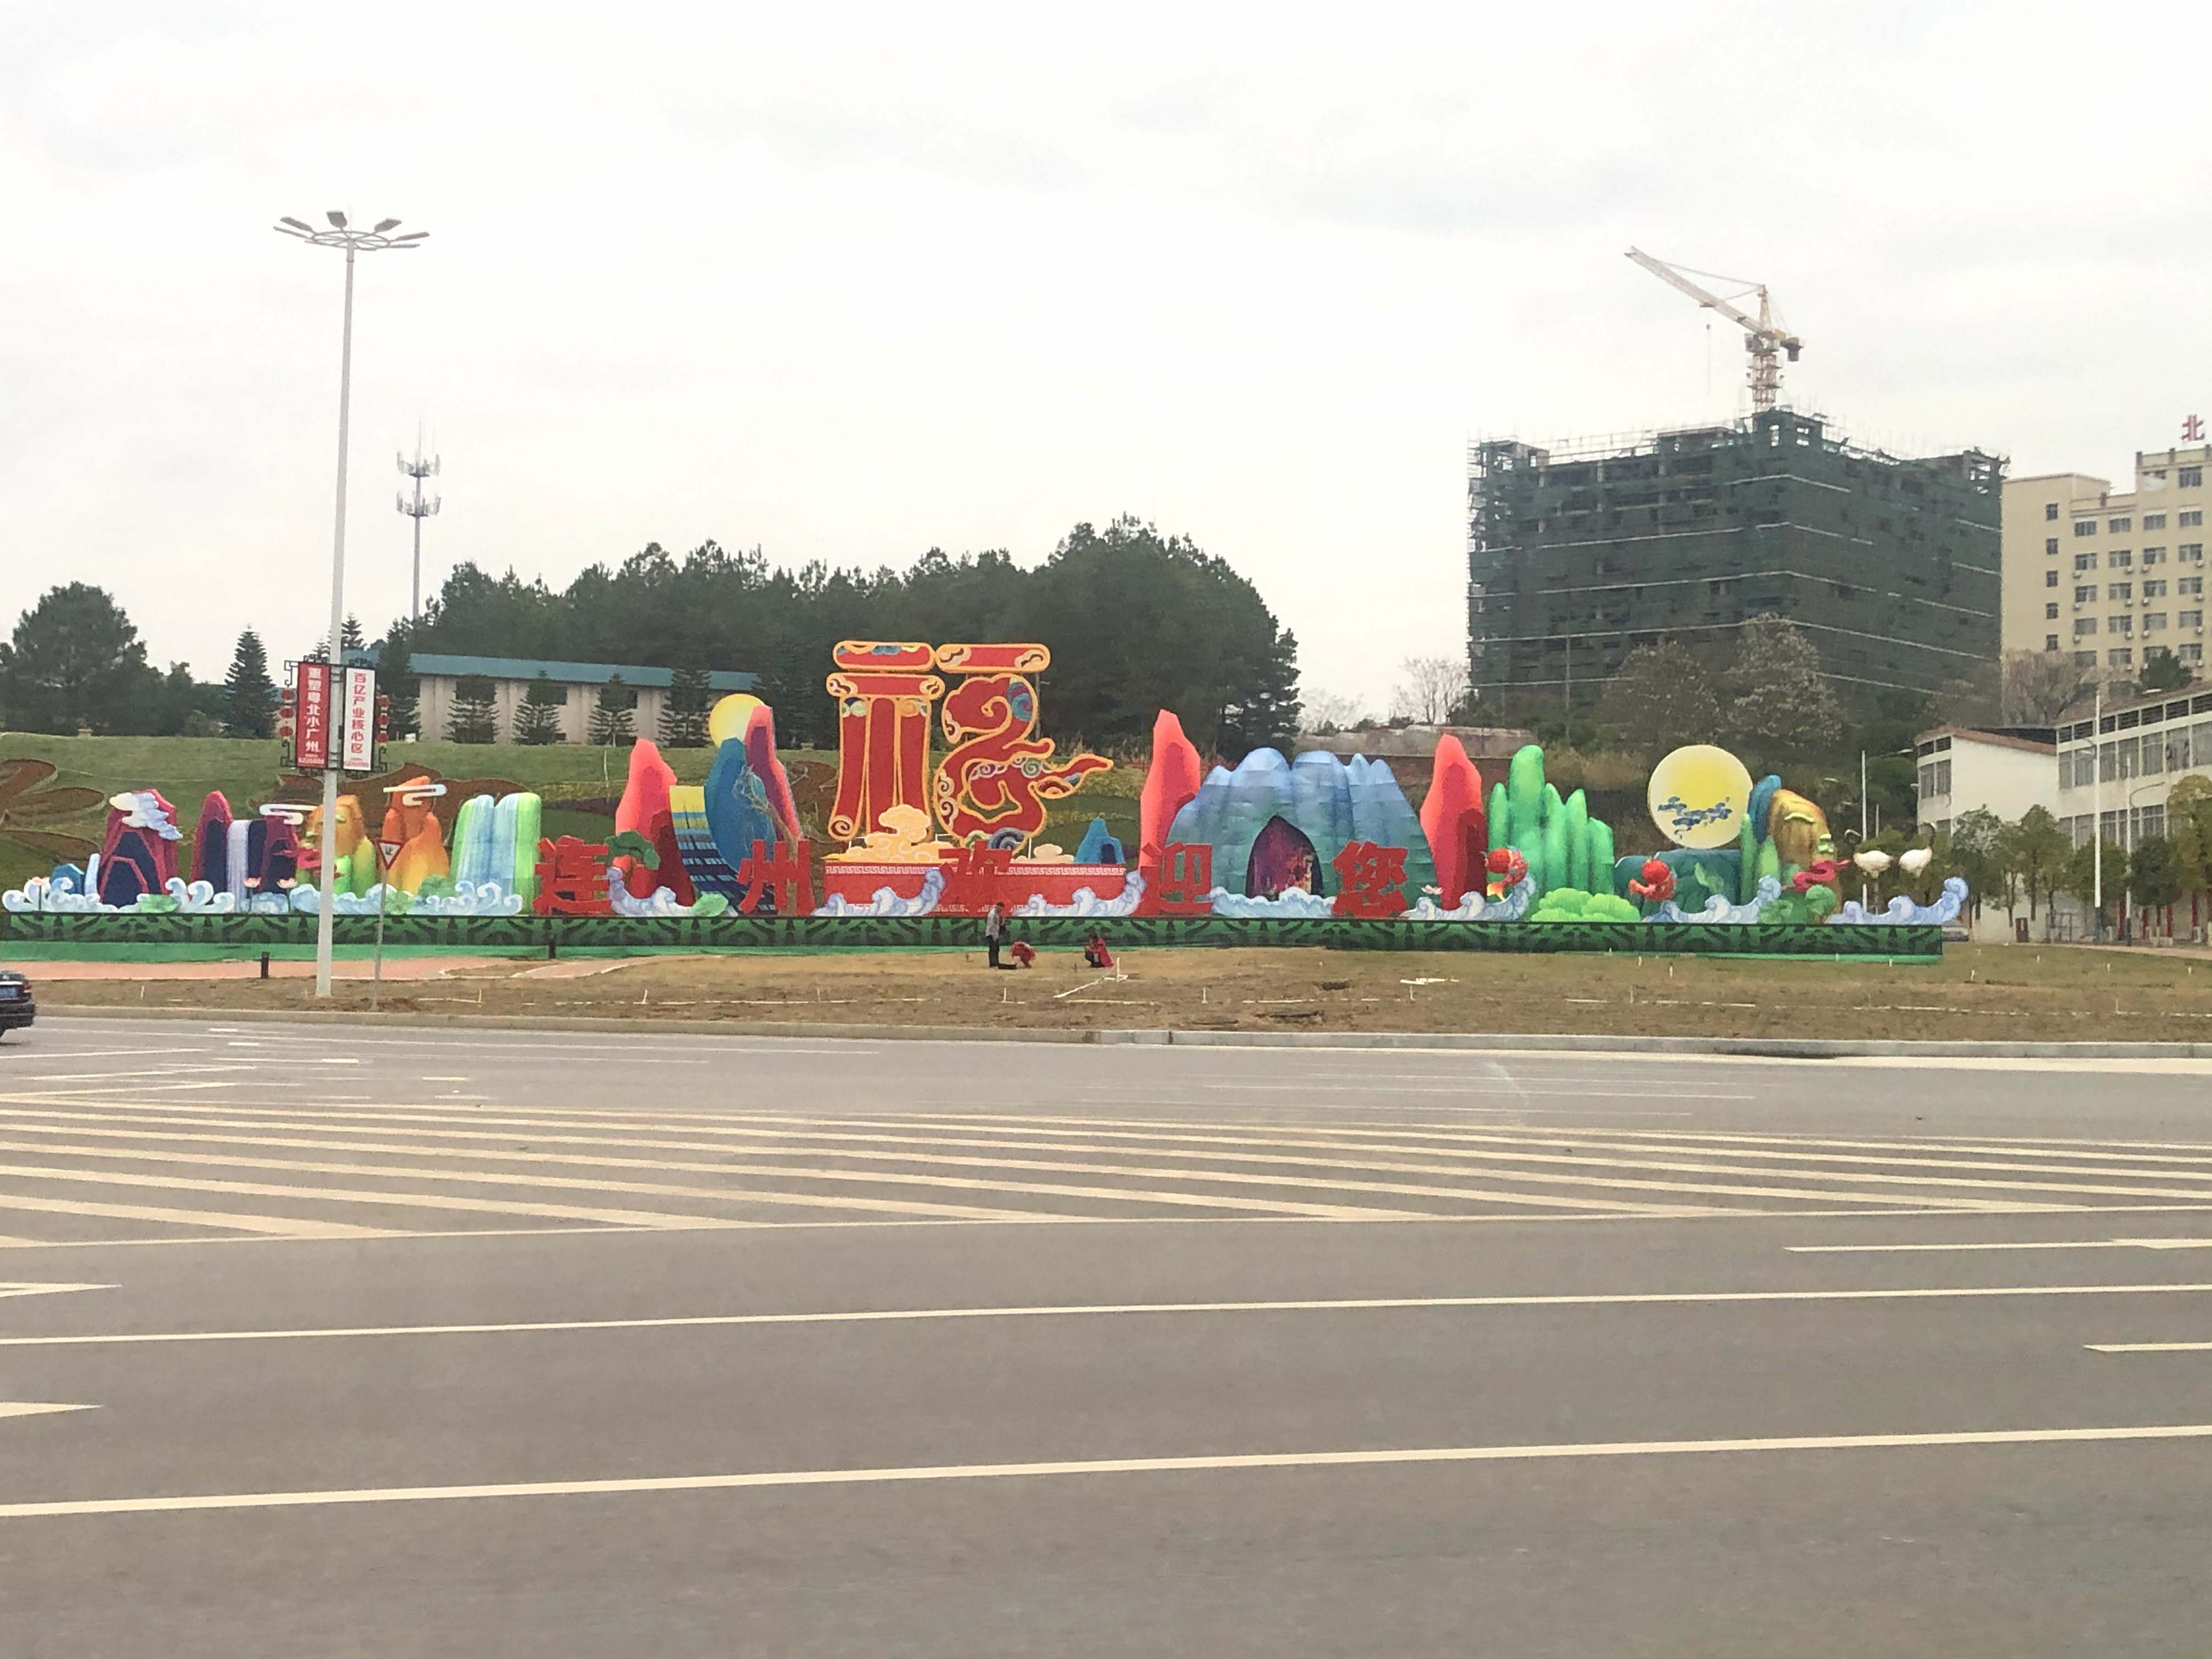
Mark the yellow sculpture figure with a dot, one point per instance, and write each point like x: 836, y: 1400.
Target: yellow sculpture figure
x: 1799, y: 830
x: 355, y: 870
x: 413, y: 827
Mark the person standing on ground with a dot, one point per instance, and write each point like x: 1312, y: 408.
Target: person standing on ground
x: 994, y: 925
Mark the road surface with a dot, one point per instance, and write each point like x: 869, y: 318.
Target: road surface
x: 438, y: 1342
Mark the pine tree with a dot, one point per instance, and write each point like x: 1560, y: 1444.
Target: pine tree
x: 610, y: 715
x: 537, y: 724
x: 249, y: 696
x: 475, y: 718
x: 351, y: 638
x: 396, y: 681
x: 684, y: 717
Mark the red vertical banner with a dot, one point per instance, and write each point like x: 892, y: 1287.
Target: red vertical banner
x: 311, y: 716
x: 357, y: 751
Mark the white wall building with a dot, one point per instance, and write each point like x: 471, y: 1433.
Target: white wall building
x: 2007, y: 772
x: 511, y: 678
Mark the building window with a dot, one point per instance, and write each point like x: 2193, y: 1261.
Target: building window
x: 2085, y: 658
x: 2051, y: 544
x: 2153, y: 590
x: 1935, y: 778
x: 2153, y: 622
x: 2154, y: 556
x: 2085, y: 561
x: 2050, y: 642
x: 2193, y: 477
x: 2153, y: 748
x: 2194, y: 516
x: 2084, y: 625
x: 2191, y: 619
x: 2119, y: 592
x: 2119, y: 559
x: 2153, y: 521
x: 2186, y: 585
x: 2051, y: 509
x: 2120, y: 625
x: 2051, y: 578
x: 2085, y: 526
x: 2119, y: 657
x: 2190, y: 652
x: 2051, y: 611
x: 2085, y: 593
x: 2190, y: 553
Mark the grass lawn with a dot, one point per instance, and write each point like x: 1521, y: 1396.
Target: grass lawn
x: 1980, y: 992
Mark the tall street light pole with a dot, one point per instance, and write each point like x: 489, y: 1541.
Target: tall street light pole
x: 340, y: 235
x: 2097, y: 826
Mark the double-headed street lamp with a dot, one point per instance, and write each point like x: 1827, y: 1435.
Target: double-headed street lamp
x: 376, y: 240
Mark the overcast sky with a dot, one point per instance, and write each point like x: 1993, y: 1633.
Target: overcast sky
x: 850, y: 282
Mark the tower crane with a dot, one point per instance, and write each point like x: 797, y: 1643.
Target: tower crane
x: 1765, y: 339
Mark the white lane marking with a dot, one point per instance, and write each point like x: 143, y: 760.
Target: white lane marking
x: 2031, y: 1244
x: 20, y: 1289
x: 56, y: 1056
x: 1106, y: 1309
x: 1478, y: 1159
x: 274, y: 1226
x: 721, y: 1194
x: 2147, y: 1348
x: 332, y: 1194
x: 864, y: 1177
x: 36, y: 1408
x: 1306, y: 1460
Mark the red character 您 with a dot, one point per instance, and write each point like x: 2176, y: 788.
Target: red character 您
x: 1373, y: 879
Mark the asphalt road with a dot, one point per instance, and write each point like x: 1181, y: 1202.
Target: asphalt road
x: 429, y: 1342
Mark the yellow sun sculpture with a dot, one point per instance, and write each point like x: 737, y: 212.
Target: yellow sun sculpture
x: 1698, y: 796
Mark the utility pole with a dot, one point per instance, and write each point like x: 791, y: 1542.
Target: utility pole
x: 418, y: 509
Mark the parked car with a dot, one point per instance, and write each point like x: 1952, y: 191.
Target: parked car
x: 18, y: 1006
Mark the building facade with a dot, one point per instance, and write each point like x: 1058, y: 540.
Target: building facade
x: 2116, y: 770
x: 511, y: 678
x: 1577, y: 557
x: 2112, y: 578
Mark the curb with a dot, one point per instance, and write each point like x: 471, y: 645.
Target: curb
x: 1473, y: 1041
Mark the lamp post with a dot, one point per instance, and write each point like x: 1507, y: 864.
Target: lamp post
x: 2128, y: 830
x: 2097, y: 821
x: 375, y: 240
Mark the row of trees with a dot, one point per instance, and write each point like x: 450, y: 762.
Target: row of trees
x: 75, y: 663
x: 2023, y: 863
x: 1136, y: 622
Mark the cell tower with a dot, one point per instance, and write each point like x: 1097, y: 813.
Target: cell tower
x: 418, y: 509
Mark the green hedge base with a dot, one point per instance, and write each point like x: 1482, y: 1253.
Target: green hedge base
x: 248, y: 934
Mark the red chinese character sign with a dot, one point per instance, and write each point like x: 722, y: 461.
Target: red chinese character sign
x: 884, y: 691
x: 778, y: 881
x: 994, y: 783
x: 1373, y: 878
x: 1178, y: 880
x: 572, y: 879
x: 311, y: 716
x: 998, y: 775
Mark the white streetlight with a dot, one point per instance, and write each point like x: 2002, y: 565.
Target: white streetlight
x: 353, y: 242
x: 2097, y: 821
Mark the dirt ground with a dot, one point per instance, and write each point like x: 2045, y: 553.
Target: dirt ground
x: 1991, y: 992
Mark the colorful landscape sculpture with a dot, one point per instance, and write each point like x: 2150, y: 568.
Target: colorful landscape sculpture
x: 1311, y: 837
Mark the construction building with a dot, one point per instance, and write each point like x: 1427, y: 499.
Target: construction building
x: 2113, y: 578
x: 1577, y: 555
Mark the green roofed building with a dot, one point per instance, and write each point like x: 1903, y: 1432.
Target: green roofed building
x: 1575, y: 556
x: 440, y: 676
